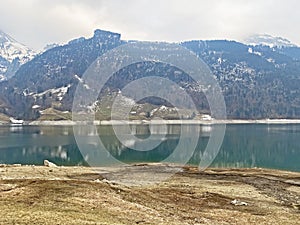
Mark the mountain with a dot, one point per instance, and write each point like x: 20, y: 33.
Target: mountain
x: 49, y: 46
x: 50, y: 79
x: 268, y: 40
x: 12, y: 55
x: 257, y: 81
x: 279, y: 44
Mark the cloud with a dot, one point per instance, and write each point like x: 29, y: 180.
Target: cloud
x: 37, y: 23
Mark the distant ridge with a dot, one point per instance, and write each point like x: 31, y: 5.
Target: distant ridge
x: 268, y: 40
x: 257, y: 81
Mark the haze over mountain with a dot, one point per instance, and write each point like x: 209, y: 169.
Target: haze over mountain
x: 257, y: 81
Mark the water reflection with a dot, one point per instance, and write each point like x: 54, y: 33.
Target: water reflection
x: 272, y: 146
x: 31, y: 145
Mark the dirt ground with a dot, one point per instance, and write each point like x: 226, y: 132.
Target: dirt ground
x: 147, y: 194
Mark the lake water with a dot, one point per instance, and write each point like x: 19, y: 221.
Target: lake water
x: 251, y: 145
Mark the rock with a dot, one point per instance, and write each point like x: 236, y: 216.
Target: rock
x: 49, y: 164
x: 17, y: 165
x: 97, y: 181
x: 238, y: 202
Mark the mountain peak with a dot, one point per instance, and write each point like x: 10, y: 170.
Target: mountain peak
x: 99, y: 35
x: 268, y: 40
x: 5, y: 37
x: 13, y: 54
x: 102, y: 34
x: 11, y: 49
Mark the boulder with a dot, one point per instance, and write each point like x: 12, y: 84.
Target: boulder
x: 49, y: 164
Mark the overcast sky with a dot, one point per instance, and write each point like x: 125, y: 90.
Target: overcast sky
x: 39, y: 22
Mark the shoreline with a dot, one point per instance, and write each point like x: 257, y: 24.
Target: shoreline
x: 156, y: 122
x: 274, y: 170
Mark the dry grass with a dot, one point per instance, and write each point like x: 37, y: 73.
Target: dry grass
x: 74, y: 195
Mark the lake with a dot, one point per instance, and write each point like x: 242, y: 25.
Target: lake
x: 247, y: 145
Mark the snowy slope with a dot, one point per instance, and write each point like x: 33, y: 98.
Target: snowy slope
x: 268, y: 40
x: 13, y: 54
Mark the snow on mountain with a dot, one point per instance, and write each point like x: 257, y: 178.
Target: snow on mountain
x: 268, y: 40
x: 13, y: 54
x: 11, y: 49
